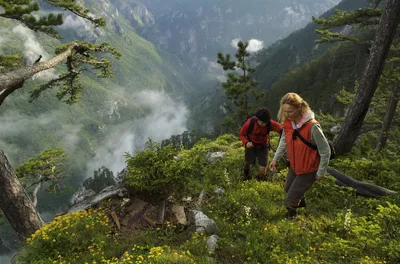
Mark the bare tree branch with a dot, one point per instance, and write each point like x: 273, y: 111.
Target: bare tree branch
x: 35, y: 192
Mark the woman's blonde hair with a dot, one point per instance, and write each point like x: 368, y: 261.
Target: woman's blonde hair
x: 294, y: 100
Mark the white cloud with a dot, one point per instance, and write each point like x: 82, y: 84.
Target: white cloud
x: 32, y: 50
x: 254, y: 44
x: 78, y: 24
x: 289, y: 11
x: 234, y: 42
x: 166, y: 118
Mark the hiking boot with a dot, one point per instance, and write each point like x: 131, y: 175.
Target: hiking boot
x: 291, y: 213
x: 302, y: 202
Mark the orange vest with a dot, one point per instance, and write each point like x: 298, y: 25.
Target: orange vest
x: 303, y: 159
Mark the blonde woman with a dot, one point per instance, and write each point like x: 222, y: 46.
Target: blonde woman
x: 307, y: 163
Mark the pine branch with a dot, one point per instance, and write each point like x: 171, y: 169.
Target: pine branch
x: 21, y: 11
x: 77, y: 55
x: 362, y: 16
x: 78, y: 10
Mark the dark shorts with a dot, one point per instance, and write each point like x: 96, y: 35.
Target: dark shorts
x: 253, y: 154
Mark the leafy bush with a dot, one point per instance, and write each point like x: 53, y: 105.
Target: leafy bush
x: 74, y: 238
x: 158, y: 172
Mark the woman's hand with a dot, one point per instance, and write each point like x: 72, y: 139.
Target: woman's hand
x: 272, y: 166
x: 249, y: 144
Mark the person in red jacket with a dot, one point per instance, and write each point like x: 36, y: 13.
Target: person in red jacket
x: 307, y: 164
x: 254, y: 135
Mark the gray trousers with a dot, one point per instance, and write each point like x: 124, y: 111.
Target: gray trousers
x: 296, y: 186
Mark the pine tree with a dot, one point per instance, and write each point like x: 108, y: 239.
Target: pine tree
x: 240, y: 84
x: 47, y: 167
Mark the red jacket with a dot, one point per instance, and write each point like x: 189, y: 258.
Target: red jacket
x: 303, y: 159
x: 259, y: 135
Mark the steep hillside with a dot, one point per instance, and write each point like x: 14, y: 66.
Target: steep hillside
x: 294, y: 51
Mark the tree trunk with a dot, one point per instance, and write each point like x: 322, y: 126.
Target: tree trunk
x: 362, y: 188
x: 370, y: 77
x: 161, y: 212
x: 14, y: 202
x: 387, y: 122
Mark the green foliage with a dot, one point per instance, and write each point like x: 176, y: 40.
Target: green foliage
x: 48, y: 166
x: 156, y: 172
x: 81, y: 57
x: 361, y: 17
x: 10, y: 62
x: 239, y: 88
x: 163, y: 171
x: 101, y: 179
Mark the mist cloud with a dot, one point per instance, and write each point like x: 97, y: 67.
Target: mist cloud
x: 166, y: 118
x: 6, y: 258
x: 79, y: 25
x: 32, y: 50
x: 15, y: 124
x: 254, y: 44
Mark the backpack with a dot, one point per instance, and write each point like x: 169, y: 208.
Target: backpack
x: 251, y: 125
x: 311, y: 145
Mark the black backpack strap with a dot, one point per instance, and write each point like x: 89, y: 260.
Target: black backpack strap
x: 251, y: 126
x: 268, y: 127
x: 308, y: 143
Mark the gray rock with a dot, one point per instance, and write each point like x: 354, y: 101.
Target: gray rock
x: 202, y: 223
x: 219, y: 191
x: 81, y: 195
x: 211, y: 157
x: 336, y: 129
x: 212, y: 243
x: 94, y: 200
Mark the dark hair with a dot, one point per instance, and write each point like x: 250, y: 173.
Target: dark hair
x: 264, y: 115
